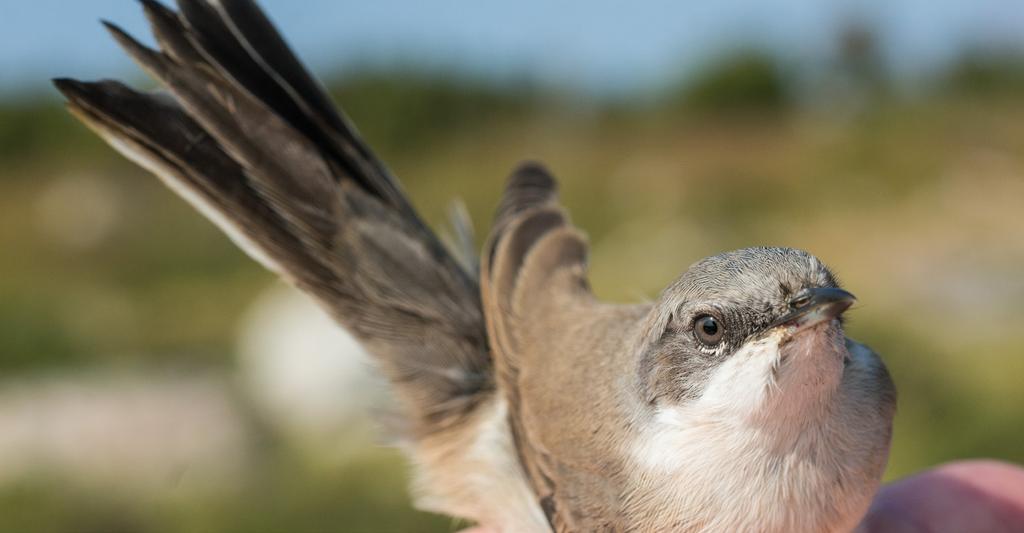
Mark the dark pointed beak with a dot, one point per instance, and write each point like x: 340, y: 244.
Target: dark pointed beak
x: 814, y: 306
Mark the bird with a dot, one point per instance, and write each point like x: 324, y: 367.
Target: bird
x: 731, y: 402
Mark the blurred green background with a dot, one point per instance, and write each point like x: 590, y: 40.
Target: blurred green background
x: 134, y: 359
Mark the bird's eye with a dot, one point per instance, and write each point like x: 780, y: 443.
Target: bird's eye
x: 709, y: 330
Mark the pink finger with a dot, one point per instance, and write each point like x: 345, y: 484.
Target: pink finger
x: 976, y: 496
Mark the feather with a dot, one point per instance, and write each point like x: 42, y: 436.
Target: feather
x: 251, y: 140
x: 531, y: 244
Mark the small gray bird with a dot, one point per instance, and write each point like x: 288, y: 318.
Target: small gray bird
x: 732, y: 403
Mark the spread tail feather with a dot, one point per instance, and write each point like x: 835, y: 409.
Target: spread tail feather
x: 249, y: 138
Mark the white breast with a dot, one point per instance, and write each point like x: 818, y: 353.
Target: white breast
x: 722, y: 463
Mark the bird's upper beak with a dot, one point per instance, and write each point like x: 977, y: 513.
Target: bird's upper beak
x: 814, y: 306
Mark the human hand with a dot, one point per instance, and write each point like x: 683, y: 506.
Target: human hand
x: 982, y: 496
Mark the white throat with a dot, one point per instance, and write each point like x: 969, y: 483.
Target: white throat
x: 762, y: 434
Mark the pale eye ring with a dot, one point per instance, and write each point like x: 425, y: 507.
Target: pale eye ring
x: 709, y: 330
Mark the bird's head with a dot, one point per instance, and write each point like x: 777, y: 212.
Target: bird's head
x: 749, y: 386
x: 754, y: 333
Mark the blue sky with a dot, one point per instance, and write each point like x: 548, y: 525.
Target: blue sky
x: 594, y: 45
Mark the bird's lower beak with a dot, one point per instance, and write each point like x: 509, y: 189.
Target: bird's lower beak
x: 814, y: 306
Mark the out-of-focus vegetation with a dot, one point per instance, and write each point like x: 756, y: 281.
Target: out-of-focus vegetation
x: 982, y: 73
x: 744, y: 82
x: 917, y: 201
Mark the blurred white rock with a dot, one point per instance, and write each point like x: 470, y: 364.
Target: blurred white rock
x: 309, y: 377
x: 142, y: 433
x: 121, y: 430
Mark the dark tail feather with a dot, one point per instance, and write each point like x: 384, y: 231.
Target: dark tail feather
x: 252, y: 141
x: 239, y: 38
x: 154, y: 131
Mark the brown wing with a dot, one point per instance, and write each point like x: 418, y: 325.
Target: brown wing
x: 248, y: 137
x: 534, y: 290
